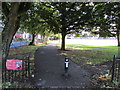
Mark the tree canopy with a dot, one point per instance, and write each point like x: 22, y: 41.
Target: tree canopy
x: 107, y: 17
x: 60, y: 17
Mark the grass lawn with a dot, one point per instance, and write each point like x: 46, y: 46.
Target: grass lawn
x: 18, y: 53
x: 90, y: 46
x: 85, y: 54
x: 97, y: 60
x: 24, y: 49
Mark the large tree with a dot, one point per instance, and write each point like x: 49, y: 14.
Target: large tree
x: 73, y: 17
x: 67, y: 17
x: 35, y: 21
x: 11, y: 17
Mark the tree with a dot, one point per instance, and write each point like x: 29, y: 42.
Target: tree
x: 35, y: 28
x: 71, y: 17
x: 105, y: 15
x: 11, y: 16
x: 32, y: 23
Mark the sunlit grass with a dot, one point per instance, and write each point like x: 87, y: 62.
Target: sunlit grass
x: 85, y: 54
x: 81, y: 45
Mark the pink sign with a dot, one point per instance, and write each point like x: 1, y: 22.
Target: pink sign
x: 14, y: 64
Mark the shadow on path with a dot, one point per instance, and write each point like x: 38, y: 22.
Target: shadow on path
x: 50, y: 69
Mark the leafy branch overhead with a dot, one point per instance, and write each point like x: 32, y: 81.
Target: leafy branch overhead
x: 60, y: 17
x: 107, y: 17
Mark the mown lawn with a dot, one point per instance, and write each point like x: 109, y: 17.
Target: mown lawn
x: 85, y: 54
x: 90, y: 46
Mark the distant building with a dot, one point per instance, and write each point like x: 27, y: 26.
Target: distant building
x: 27, y: 36
x: 18, y: 35
x: 23, y: 35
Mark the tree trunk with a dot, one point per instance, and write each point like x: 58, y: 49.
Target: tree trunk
x: 9, y: 31
x: 43, y: 38
x: 33, y: 39
x: 63, y: 41
x: 118, y: 37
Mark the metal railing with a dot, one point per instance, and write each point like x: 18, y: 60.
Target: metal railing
x: 19, y: 76
x: 116, y: 71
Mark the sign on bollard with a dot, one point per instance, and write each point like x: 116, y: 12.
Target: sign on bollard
x: 66, y: 63
x: 12, y: 64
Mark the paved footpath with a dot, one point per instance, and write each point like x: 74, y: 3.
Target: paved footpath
x: 50, y: 70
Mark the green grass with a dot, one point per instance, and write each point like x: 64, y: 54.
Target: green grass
x: 18, y: 52
x: 81, y: 45
x: 85, y: 54
x: 24, y: 49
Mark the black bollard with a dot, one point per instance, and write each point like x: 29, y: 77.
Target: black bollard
x: 66, y: 66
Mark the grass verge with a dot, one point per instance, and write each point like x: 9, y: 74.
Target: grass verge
x: 18, y: 53
x: 24, y: 49
x: 97, y: 60
x: 85, y: 54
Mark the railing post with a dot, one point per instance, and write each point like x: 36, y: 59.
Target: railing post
x: 28, y: 66
x: 113, y: 66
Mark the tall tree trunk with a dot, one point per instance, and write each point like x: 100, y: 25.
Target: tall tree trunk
x: 9, y: 31
x: 118, y: 56
x: 43, y: 38
x: 63, y: 41
x: 118, y: 37
x: 33, y: 39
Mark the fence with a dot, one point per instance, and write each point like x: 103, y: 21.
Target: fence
x: 116, y: 71
x: 19, y: 44
x: 11, y: 78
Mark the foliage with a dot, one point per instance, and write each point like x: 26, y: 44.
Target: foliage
x: 47, y: 15
x: 106, y: 17
x: 33, y: 23
x: 71, y: 17
x: 77, y: 35
x: 64, y: 17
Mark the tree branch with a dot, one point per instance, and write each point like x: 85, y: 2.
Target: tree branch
x: 5, y: 9
x: 24, y: 6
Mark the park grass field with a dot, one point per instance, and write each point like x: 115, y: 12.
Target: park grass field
x: 97, y: 60
x: 92, y: 46
x: 86, y: 54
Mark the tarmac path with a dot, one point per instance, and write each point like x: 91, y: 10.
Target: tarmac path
x: 49, y: 65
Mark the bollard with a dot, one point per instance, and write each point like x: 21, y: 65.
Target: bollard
x: 66, y: 66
